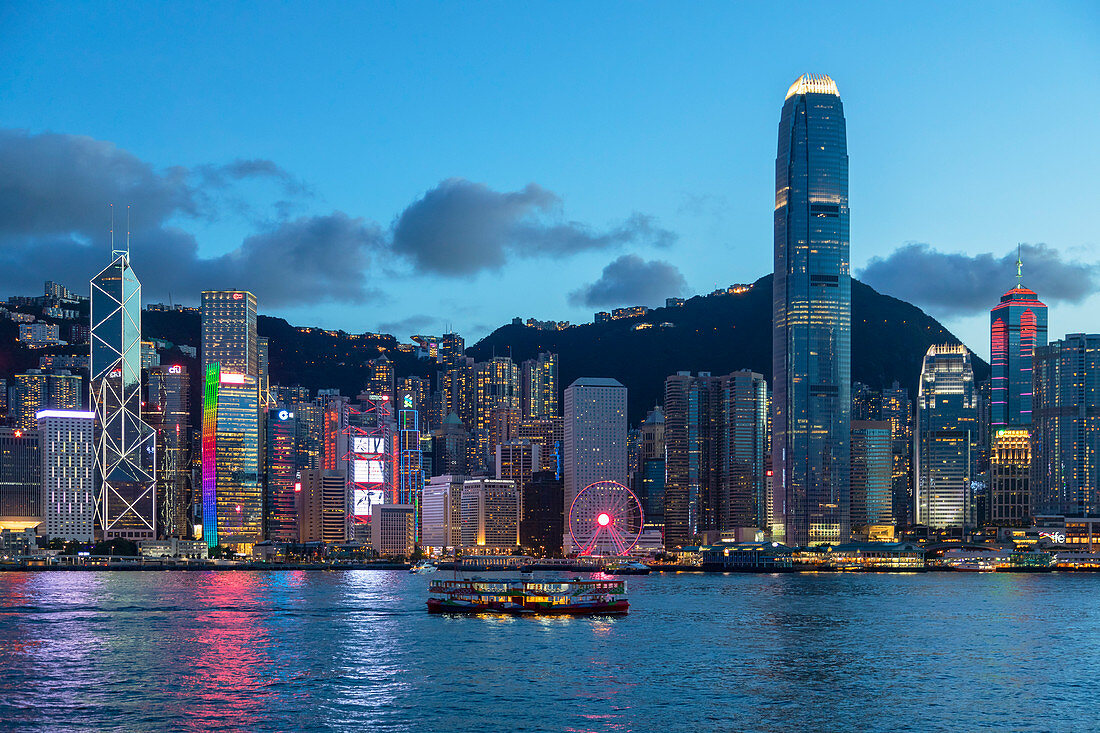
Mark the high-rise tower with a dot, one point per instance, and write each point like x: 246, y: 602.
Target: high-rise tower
x: 232, y: 497
x: 812, y: 315
x: 1017, y: 326
x: 125, y: 447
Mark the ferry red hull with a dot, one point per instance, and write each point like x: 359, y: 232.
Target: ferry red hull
x: 616, y: 608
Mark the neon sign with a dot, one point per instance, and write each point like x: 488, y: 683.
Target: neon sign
x: 230, y: 378
x: 175, y: 369
x: 1056, y: 537
x: 285, y: 415
x: 238, y: 296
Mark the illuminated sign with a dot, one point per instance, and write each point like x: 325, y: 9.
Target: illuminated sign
x: 114, y: 373
x: 230, y: 378
x: 175, y: 369
x: 238, y: 296
x: 378, y: 397
x: 363, y: 499
x: 408, y: 401
x: 63, y: 413
x: 367, y: 445
x: 285, y: 415
x: 1056, y: 537
x: 367, y: 472
x: 297, y: 486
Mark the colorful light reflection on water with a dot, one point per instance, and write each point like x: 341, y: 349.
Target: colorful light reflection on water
x: 356, y: 651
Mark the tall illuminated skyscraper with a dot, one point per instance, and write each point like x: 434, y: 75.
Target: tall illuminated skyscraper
x: 947, y: 438
x: 168, y: 409
x: 540, y: 386
x: 1065, y: 430
x: 812, y: 304
x: 594, y: 436
x: 1017, y: 326
x: 232, y: 495
x: 125, y: 446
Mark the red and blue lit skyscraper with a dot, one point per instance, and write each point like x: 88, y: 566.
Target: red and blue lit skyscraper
x: 1017, y: 326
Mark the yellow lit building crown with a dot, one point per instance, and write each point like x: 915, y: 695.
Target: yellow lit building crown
x: 813, y: 84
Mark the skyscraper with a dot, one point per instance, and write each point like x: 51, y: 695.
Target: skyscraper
x: 168, y: 408
x: 1017, y: 326
x: 812, y: 303
x: 1009, y: 489
x: 38, y: 389
x: 1065, y: 428
x: 281, y: 469
x: 22, y: 504
x: 897, y: 409
x: 947, y: 438
x: 68, y: 466
x: 540, y: 386
x: 497, y: 385
x: 872, y: 465
x: 232, y: 496
x: 125, y: 446
x: 595, y: 435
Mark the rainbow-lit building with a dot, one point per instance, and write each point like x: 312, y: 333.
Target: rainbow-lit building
x: 232, y: 492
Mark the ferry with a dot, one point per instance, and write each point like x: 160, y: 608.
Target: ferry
x: 626, y: 567
x: 423, y: 567
x: 528, y: 597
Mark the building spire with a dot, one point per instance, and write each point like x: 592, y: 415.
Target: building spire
x: 1019, y: 265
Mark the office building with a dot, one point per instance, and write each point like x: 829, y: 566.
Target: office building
x: 897, y: 409
x: 542, y: 524
x: 393, y: 529
x: 38, y: 389
x: 380, y: 377
x: 516, y: 462
x: 233, y: 502
x: 872, y: 474
x: 68, y: 469
x: 449, y: 447
x: 594, y: 435
x: 497, y: 385
x: 125, y: 446
x: 1009, y: 478
x: 168, y: 412
x: 322, y: 506
x: 549, y: 434
x: 22, y: 504
x: 1017, y: 326
x: 281, y: 484
x: 490, y: 515
x: 1065, y: 434
x: 540, y: 386
x: 947, y: 438
x: 812, y: 304
x: 409, y: 463
x: 441, y: 514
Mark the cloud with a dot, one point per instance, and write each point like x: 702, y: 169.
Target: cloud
x: 952, y: 283
x: 54, y: 225
x: 460, y: 228
x: 409, y: 326
x: 630, y: 280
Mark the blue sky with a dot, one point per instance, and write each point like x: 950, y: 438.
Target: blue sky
x: 572, y: 134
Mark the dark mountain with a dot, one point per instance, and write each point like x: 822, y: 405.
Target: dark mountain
x: 720, y: 334
x: 716, y: 333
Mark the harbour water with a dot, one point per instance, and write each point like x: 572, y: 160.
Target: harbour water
x: 356, y: 651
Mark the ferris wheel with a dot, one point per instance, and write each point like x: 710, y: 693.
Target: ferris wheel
x: 605, y: 519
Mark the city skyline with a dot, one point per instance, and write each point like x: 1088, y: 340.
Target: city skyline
x: 692, y: 202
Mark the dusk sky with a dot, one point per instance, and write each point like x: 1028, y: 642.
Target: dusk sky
x: 415, y: 167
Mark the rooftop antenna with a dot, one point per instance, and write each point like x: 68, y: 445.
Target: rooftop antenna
x: 112, y: 230
x: 1019, y: 264
x: 127, y: 231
